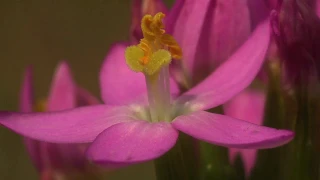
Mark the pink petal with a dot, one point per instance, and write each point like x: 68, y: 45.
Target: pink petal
x: 26, y: 93
x: 26, y: 105
x: 50, y: 155
x: 61, y: 157
x: 248, y: 157
x: 185, y: 22
x: 133, y: 142
x: 84, y: 97
x: 259, y: 10
x: 78, y: 125
x: 233, y: 75
x: 248, y: 106
x: 318, y: 7
x: 226, y: 28
x: 119, y: 84
x: 63, y: 90
x: 218, y: 29
x: 173, y: 15
x: 191, y: 14
x: 229, y: 132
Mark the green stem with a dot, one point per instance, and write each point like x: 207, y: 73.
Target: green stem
x: 293, y: 110
x: 180, y: 162
x: 270, y: 162
x: 302, y: 154
x: 214, y: 161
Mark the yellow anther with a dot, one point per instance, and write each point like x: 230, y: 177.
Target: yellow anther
x: 172, y: 46
x: 144, y: 45
x: 152, y: 27
x: 157, y: 60
x: 157, y: 25
x: 155, y: 48
x: 146, y: 27
x: 133, y: 56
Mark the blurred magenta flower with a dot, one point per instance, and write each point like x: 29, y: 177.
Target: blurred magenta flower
x: 208, y: 32
x: 221, y: 25
x: 52, y: 159
x: 296, y: 29
x: 134, y: 130
x: 219, y: 28
x: 249, y: 106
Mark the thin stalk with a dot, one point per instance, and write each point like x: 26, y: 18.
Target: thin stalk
x: 180, y: 162
x: 158, y: 86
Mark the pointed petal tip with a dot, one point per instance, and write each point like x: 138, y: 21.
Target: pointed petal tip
x: 224, y: 83
x: 63, y: 64
x: 78, y: 125
x: 28, y: 74
x: 63, y: 69
x: 28, y: 69
x: 248, y: 157
x: 283, y: 137
x: 229, y: 132
x: 62, y: 92
x: 132, y: 142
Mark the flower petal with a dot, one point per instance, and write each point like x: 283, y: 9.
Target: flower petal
x: 133, y: 142
x: 78, y: 125
x: 45, y: 155
x: 226, y: 28
x: 318, y: 8
x: 26, y: 93
x: 188, y: 21
x: 120, y: 85
x: 208, y: 32
x: 249, y: 106
x: 84, y: 97
x: 185, y: 22
x: 63, y: 91
x: 233, y: 75
x: 248, y: 157
x: 259, y: 10
x: 229, y: 132
x: 26, y: 105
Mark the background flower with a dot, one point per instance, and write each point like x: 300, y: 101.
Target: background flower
x: 51, y: 159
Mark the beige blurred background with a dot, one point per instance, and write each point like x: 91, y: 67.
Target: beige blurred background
x: 42, y: 33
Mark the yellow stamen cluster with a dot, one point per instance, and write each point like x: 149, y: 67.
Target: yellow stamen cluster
x: 155, y: 49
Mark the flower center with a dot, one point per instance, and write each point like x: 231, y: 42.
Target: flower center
x: 151, y: 57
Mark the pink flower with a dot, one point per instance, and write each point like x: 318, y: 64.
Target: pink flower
x: 51, y: 158
x: 247, y: 105
x: 133, y: 130
x: 296, y: 28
